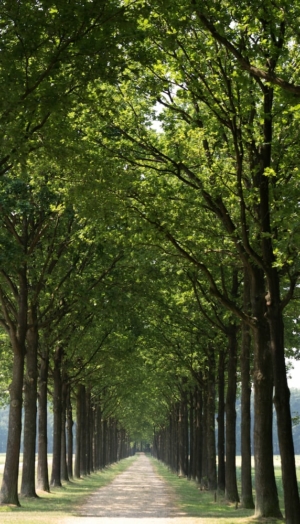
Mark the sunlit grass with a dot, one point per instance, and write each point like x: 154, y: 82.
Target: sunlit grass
x: 202, y: 504
x: 61, y: 503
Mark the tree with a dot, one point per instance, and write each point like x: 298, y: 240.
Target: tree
x: 49, y: 54
x: 234, y: 175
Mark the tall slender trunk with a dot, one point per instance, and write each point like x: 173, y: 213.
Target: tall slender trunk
x: 69, y: 434
x: 221, y: 421
x: 30, y: 407
x: 183, y: 436
x: 88, y: 433
x: 17, y: 334
x: 174, y: 439
x: 270, y: 313
x: 204, y: 447
x: 191, y: 471
x: 63, y: 458
x: 42, y: 470
x: 246, y: 476
x: 94, y: 443
x: 83, y: 452
x: 9, y: 487
x: 199, y: 434
x: 211, y: 438
x: 99, y: 437
x: 104, y: 448
x: 282, y: 402
x: 266, y: 500
x: 231, y: 491
x: 78, y: 432
x: 112, y: 441
x: 57, y: 412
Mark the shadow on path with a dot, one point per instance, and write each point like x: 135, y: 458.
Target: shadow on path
x: 137, y: 493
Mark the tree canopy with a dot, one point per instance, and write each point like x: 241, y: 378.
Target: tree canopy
x: 149, y: 225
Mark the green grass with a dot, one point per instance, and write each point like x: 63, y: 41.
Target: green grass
x: 52, y: 508
x: 201, y: 504
x: 61, y: 503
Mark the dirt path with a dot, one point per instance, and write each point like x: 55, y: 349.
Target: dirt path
x: 137, y: 495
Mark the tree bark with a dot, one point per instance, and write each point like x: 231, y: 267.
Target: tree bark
x: 99, y: 438
x: 69, y: 434
x: 231, y: 491
x: 89, y: 432
x: 183, y: 436
x: 282, y: 402
x: 78, y: 432
x: 83, y: 451
x: 204, y: 448
x: 221, y: 421
x: 30, y: 407
x: 211, y: 438
x: 191, y: 470
x: 246, y: 475
x: 57, y: 412
x: 42, y: 470
x: 174, y: 439
x: 266, y: 500
x: 63, y: 458
x: 104, y: 449
x: 199, y: 433
x: 9, y: 487
x: 17, y: 335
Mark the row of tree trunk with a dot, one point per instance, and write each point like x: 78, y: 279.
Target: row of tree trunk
x: 98, y: 439
x: 189, y: 443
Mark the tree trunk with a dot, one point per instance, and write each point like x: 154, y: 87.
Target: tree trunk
x: 104, y: 449
x: 211, y: 438
x: 99, y: 437
x: 198, y: 433
x: 78, y: 432
x: 83, y: 452
x: 42, y: 470
x: 94, y: 443
x: 112, y: 441
x: 174, y: 439
x: 57, y: 412
x: 221, y: 421
x: 17, y: 334
x: 231, y: 491
x: 246, y: 476
x: 9, y: 487
x: 183, y: 436
x: 30, y: 408
x: 63, y: 458
x: 69, y: 434
x: 191, y: 470
x: 266, y: 500
x: 204, y: 448
x: 282, y: 403
x: 88, y: 433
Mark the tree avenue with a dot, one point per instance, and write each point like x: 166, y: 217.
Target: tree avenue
x: 150, y: 237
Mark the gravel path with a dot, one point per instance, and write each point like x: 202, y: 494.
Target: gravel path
x: 137, y: 495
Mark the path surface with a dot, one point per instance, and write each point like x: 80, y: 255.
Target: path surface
x: 138, y: 495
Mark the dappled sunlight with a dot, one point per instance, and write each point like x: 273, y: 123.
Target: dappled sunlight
x: 127, y: 520
x: 136, y: 493
x: 140, y: 495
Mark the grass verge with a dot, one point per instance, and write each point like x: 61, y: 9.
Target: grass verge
x: 202, y: 504
x: 51, y: 508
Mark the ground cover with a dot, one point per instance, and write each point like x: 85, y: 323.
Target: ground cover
x: 52, y: 508
x: 182, y: 502
x: 210, y: 508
